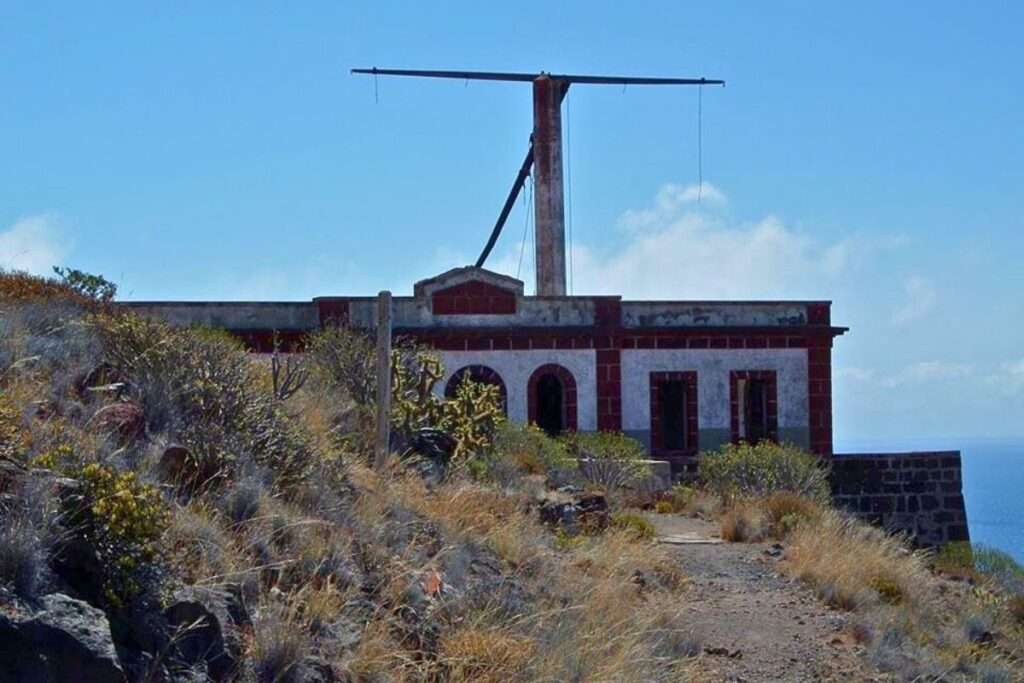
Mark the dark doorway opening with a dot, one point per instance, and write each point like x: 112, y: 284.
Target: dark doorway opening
x: 550, y: 404
x: 672, y: 414
x: 755, y: 411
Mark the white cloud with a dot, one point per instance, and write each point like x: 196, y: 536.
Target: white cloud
x: 33, y: 244
x: 678, y: 249
x: 928, y: 371
x: 921, y: 298
x: 668, y: 203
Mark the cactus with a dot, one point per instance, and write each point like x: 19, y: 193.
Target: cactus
x: 470, y: 417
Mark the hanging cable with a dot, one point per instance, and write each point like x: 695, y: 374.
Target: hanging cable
x: 568, y: 170
x: 700, y: 142
x: 376, y: 96
x: 528, y: 203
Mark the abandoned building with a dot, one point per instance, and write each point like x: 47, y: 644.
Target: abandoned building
x: 681, y: 376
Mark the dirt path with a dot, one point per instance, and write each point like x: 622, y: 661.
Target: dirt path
x: 753, y: 623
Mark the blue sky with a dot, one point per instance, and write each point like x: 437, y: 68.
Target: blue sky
x: 868, y: 153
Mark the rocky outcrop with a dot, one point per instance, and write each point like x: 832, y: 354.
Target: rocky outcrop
x: 203, y: 623
x: 124, y: 419
x: 63, y: 640
x: 574, y: 512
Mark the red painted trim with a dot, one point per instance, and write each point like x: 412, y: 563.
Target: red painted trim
x: 609, y: 390
x: 477, y: 373
x: 768, y: 376
x: 335, y: 311
x: 473, y: 298
x: 689, y: 378
x: 569, y: 399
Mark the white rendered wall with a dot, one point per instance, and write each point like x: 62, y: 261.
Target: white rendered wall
x: 515, y: 368
x: 712, y: 367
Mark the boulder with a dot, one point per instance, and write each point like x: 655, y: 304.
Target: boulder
x: 575, y: 512
x: 124, y: 419
x: 63, y: 640
x: 205, y: 633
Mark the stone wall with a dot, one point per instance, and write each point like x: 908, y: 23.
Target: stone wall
x: 920, y: 493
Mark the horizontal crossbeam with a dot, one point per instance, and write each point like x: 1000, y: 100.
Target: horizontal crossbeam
x: 527, y: 77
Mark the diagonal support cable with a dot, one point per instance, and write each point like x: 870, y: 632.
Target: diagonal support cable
x: 517, y: 186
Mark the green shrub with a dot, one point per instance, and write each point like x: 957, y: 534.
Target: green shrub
x: 681, y: 497
x: 88, y: 285
x: 608, y: 461
x: 196, y: 381
x: 122, y: 520
x: 528, y: 448
x: 664, y: 507
x: 199, y: 385
x: 344, y: 360
x: 743, y: 470
x: 981, y: 561
x: 638, y: 526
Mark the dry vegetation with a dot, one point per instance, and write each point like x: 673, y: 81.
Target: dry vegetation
x: 954, y: 616
x: 139, y: 461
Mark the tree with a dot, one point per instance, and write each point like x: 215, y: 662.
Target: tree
x: 93, y: 286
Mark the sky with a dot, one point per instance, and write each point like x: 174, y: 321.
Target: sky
x: 866, y: 153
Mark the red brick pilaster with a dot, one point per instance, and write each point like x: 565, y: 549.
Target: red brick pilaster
x: 608, y: 345
x: 819, y: 392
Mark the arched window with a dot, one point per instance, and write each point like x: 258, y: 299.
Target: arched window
x: 552, y: 399
x: 481, y: 374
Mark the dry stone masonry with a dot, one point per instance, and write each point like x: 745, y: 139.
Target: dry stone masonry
x: 918, y: 493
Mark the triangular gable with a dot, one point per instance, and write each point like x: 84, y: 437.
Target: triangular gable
x: 470, y: 291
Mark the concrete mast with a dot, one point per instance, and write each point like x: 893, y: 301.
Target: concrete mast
x: 549, y: 205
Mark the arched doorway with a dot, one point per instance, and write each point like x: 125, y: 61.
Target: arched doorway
x: 481, y: 374
x: 552, y: 399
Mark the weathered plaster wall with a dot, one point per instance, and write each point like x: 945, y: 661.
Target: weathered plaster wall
x: 713, y: 314
x: 712, y: 367
x: 515, y: 368
x: 232, y: 315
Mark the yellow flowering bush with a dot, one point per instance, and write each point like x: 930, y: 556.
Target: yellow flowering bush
x: 123, y: 520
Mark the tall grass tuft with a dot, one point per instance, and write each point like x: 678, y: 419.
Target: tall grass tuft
x: 852, y: 564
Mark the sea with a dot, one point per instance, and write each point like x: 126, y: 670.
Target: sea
x: 993, y: 471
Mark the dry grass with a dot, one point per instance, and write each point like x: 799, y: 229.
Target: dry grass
x: 593, y: 614
x: 745, y: 522
x: 787, y: 510
x: 852, y: 565
x: 487, y: 655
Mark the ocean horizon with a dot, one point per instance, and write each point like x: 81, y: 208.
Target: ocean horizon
x: 993, y: 481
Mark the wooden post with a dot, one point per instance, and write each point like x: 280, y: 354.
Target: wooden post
x: 383, y: 379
